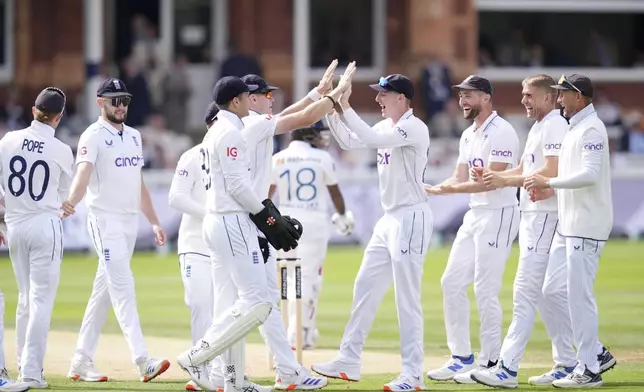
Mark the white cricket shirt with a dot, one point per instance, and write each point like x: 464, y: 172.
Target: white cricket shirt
x: 226, y: 168
x: 115, y: 184
x: 188, y: 195
x: 302, y: 174
x: 544, y: 140
x: 36, y: 172
x: 583, y: 182
x: 495, y: 141
x: 258, y: 133
x: 403, y: 149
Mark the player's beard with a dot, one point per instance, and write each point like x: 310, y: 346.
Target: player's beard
x: 474, y: 111
x: 111, y: 117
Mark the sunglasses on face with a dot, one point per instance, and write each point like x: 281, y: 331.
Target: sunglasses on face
x: 116, y: 102
x: 267, y: 94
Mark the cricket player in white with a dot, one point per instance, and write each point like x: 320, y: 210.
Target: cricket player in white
x: 109, y: 162
x: 396, y: 251
x: 188, y: 195
x: 301, y: 173
x: 36, y: 172
x: 584, y: 197
x: 484, y: 241
x: 536, y: 233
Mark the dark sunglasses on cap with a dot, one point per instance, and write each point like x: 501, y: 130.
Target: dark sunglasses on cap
x: 566, y: 83
x: 117, y: 101
x: 383, y: 82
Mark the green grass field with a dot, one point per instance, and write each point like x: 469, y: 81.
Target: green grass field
x: 619, y: 290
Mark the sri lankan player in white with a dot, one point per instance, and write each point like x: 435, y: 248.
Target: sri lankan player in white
x: 301, y: 174
x: 109, y: 162
x: 188, y: 195
x: 484, y: 241
x: 584, y: 197
x: 36, y: 172
x: 536, y: 233
x: 396, y: 251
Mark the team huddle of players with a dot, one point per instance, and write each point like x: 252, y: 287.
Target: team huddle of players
x: 231, y: 230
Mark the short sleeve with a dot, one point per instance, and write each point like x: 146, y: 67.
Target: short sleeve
x: 187, y: 172
x: 504, y: 146
x: 231, y: 149
x: 553, y: 135
x: 462, y: 156
x: 274, y: 169
x: 593, y: 142
x: 330, y: 175
x: 87, y: 147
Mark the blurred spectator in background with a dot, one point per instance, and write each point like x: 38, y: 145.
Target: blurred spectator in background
x: 601, y: 51
x: 515, y: 52
x: 176, y: 91
x: 633, y: 140
x: 12, y: 113
x: 239, y: 64
x: 137, y: 85
x: 607, y: 111
x: 536, y: 56
x: 162, y: 146
x: 435, y: 87
x: 450, y: 122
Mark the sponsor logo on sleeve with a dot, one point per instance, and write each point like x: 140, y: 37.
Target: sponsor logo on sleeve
x: 182, y: 173
x: 476, y: 162
x: 553, y: 146
x: 502, y: 153
x: 83, y: 150
x: 231, y: 152
x: 594, y: 146
x: 402, y: 132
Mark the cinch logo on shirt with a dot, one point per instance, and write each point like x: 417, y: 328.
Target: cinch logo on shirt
x: 383, y: 159
x: 128, y: 161
x: 183, y: 173
x: 553, y: 146
x: 502, y: 153
x: 594, y: 147
x: 476, y: 162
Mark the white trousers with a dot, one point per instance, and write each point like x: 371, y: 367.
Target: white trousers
x: 395, y: 253
x: 239, y: 275
x: 114, y: 237
x: 3, y: 362
x: 36, y: 250
x: 577, y: 283
x: 536, y: 262
x: 199, y: 294
x: 311, y: 250
x: 478, y: 255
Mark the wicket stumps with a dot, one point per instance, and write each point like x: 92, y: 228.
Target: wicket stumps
x: 283, y: 263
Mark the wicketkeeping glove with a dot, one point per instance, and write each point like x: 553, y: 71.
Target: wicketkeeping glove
x: 344, y: 223
x: 279, y: 232
x: 296, y: 224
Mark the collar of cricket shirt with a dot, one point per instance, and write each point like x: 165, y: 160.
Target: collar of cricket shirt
x: 487, y: 122
x: 232, y: 118
x: 552, y: 113
x: 109, y: 127
x: 582, y: 114
x: 43, y: 128
x: 251, y: 112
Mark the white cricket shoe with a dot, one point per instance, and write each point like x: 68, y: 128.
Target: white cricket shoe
x: 338, y: 369
x: 32, y: 383
x: 495, y: 377
x: 576, y: 381
x: 302, y: 380
x: 405, y: 383
x: 198, y: 373
x: 557, y: 372
x: 8, y: 385
x: 247, y: 386
x: 451, y: 368
x: 85, y: 370
x: 150, y: 368
x: 192, y: 386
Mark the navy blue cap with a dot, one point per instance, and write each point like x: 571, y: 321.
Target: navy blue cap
x: 475, y: 82
x: 112, y: 87
x: 576, y: 82
x: 51, y: 100
x: 228, y: 88
x: 211, y: 113
x: 397, y: 83
x: 261, y: 85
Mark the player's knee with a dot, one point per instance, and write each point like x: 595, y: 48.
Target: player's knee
x: 450, y: 284
x: 484, y: 292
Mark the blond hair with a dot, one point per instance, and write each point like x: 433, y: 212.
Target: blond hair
x: 540, y: 81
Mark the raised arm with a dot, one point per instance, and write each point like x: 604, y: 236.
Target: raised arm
x: 325, y: 86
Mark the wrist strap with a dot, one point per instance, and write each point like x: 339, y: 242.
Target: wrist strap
x: 336, y: 106
x: 314, y: 95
